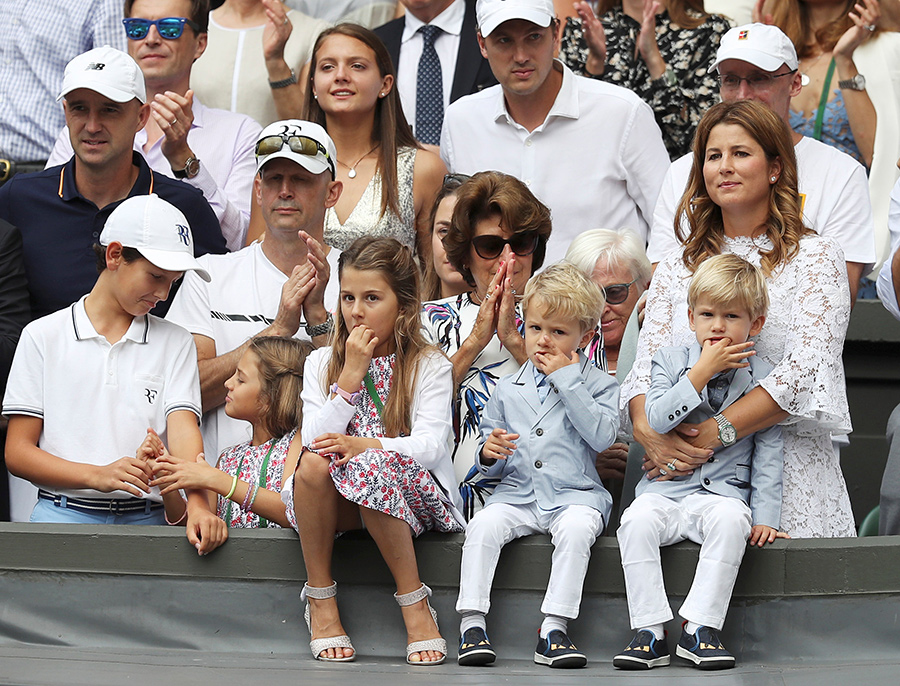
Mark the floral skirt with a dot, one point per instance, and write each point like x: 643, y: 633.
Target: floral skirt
x: 392, y: 483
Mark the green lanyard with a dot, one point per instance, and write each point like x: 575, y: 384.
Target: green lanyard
x: 263, y: 523
x: 820, y: 114
x: 370, y: 387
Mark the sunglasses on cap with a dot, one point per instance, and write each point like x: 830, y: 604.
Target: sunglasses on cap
x: 491, y: 247
x: 301, y: 145
x: 617, y: 293
x: 170, y: 28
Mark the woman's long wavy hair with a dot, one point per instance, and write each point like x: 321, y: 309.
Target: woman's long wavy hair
x: 395, y: 263
x: 390, y: 129
x: 784, y: 225
x: 688, y: 14
x: 280, y: 367
x: 792, y: 17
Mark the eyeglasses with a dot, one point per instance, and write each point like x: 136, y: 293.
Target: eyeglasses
x: 617, y: 293
x: 169, y: 28
x: 491, y: 247
x: 301, y: 145
x: 757, y: 82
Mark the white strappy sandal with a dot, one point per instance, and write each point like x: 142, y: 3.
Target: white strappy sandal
x: 318, y: 645
x: 438, y: 645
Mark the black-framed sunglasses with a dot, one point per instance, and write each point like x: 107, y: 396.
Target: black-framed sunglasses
x: 301, y: 145
x: 617, y: 293
x: 491, y: 247
x: 170, y: 28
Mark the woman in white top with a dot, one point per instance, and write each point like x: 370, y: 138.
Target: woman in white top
x: 254, y: 57
x: 389, y: 181
x: 742, y: 198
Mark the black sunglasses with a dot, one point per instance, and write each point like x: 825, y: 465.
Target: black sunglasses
x: 491, y: 247
x: 170, y: 28
x: 301, y: 145
x: 617, y: 293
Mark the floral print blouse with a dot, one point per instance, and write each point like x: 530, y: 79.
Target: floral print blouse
x: 688, y: 52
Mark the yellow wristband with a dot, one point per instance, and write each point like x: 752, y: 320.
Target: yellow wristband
x: 233, y: 488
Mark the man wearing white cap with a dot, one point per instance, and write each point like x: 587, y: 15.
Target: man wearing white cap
x: 62, y: 210
x: 211, y: 149
x: 759, y: 62
x: 88, y: 382
x: 279, y: 287
x: 589, y: 150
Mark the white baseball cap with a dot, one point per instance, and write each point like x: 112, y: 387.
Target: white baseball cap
x: 316, y: 152
x: 491, y: 13
x: 157, y: 229
x: 761, y: 45
x: 110, y: 72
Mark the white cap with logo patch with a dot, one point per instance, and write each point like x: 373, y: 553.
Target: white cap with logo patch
x: 157, y: 229
x: 761, y: 45
x: 110, y: 72
x: 489, y: 14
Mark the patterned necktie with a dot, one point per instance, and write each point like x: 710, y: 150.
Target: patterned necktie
x: 429, y: 90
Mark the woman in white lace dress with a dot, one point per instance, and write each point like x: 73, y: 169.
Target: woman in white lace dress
x: 742, y: 198
x: 389, y: 181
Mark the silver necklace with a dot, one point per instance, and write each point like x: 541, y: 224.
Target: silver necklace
x: 352, y: 168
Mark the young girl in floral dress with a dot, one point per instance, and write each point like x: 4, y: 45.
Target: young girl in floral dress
x: 377, y: 431
x: 247, y: 480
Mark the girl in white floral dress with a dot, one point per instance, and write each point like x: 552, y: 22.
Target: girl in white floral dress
x: 742, y: 198
x: 246, y: 482
x: 377, y: 431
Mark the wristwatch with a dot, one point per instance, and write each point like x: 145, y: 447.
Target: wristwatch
x: 727, y: 432
x: 284, y: 83
x: 857, y: 83
x: 349, y: 397
x: 313, y: 330
x: 190, y: 170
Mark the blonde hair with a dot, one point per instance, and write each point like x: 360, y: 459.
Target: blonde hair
x: 566, y: 292
x: 730, y: 280
x: 784, y: 223
x: 395, y: 263
x: 280, y: 367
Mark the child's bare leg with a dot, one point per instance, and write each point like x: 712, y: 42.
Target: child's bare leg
x: 320, y: 512
x: 394, y: 540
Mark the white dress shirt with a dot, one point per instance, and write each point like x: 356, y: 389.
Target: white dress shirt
x: 885, y: 283
x: 446, y: 46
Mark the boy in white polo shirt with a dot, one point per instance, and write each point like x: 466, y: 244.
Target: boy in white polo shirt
x: 88, y: 381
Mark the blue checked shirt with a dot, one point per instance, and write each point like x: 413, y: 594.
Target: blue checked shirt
x: 37, y: 40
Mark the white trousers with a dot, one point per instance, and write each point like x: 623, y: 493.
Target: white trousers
x: 719, y: 524
x: 573, y: 530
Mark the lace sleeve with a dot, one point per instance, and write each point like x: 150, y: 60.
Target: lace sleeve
x: 808, y: 381
x: 666, y: 295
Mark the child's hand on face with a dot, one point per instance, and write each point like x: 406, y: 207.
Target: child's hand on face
x: 761, y: 534
x: 499, y: 445
x: 360, y: 347
x: 722, y: 355
x: 548, y: 362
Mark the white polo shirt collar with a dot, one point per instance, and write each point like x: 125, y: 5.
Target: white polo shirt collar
x: 565, y: 105
x: 449, y: 21
x: 84, y: 330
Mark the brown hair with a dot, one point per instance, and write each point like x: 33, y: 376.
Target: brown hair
x: 199, y: 13
x: 431, y: 283
x: 395, y: 263
x: 486, y: 195
x: 784, y: 225
x: 280, y: 365
x: 792, y: 17
x: 688, y: 14
x: 390, y: 129
x: 128, y: 254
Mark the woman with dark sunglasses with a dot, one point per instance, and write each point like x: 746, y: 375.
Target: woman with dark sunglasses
x: 497, y: 239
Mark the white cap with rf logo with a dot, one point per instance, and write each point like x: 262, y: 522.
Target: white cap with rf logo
x: 157, y: 229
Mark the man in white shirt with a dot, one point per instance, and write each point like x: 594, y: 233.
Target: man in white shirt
x: 463, y: 68
x: 758, y: 62
x: 279, y: 287
x: 208, y: 148
x: 589, y: 150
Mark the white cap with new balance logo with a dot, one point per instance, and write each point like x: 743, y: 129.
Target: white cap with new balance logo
x: 110, y: 72
x: 157, y: 229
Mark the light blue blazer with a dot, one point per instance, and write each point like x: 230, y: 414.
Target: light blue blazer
x: 750, y: 469
x: 554, y: 461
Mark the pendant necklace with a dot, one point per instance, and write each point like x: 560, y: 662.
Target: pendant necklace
x: 804, y: 77
x: 352, y: 168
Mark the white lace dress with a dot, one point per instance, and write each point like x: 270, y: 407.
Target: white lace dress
x: 803, y: 339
